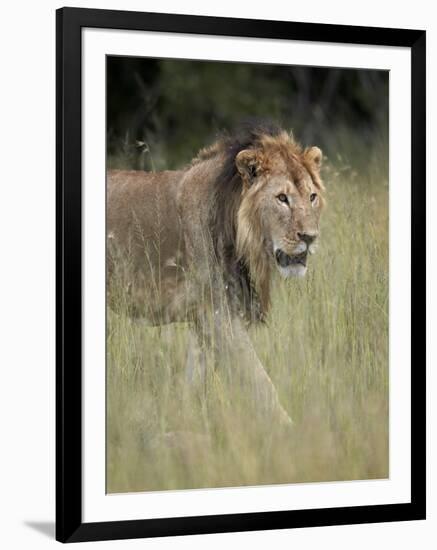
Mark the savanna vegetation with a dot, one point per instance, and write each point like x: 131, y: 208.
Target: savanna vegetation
x: 325, y: 345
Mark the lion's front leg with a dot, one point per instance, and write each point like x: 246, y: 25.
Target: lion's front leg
x: 195, y: 363
x: 236, y: 357
x: 247, y: 370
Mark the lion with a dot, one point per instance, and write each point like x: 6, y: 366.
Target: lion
x: 201, y: 243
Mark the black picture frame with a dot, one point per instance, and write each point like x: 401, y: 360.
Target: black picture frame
x: 69, y: 525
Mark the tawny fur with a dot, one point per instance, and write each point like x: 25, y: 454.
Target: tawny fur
x: 182, y: 235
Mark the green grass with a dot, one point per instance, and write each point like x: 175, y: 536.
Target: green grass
x: 325, y: 347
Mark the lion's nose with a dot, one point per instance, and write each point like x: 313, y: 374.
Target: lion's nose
x: 307, y: 238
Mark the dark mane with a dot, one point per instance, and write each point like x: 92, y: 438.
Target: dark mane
x: 224, y: 207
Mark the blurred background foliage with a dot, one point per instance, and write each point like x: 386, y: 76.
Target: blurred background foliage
x: 160, y: 112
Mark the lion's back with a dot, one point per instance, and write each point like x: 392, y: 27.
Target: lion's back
x: 142, y: 210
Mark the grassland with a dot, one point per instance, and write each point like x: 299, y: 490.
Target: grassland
x: 325, y: 347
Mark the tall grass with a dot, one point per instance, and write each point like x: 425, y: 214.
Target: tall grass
x: 325, y: 347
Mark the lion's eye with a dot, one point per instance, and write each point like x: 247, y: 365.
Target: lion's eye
x: 313, y: 197
x: 282, y: 197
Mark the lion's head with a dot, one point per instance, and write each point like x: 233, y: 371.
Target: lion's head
x: 265, y: 206
x: 281, y: 203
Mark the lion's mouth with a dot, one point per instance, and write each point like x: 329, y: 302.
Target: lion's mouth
x: 284, y: 260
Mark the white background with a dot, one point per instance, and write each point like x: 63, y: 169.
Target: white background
x: 27, y: 121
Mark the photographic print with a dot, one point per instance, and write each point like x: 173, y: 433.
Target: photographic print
x: 247, y: 272
x: 240, y: 289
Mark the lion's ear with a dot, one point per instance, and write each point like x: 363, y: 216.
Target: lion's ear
x: 248, y: 163
x: 314, y: 155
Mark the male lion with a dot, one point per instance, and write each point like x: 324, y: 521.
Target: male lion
x: 199, y: 244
